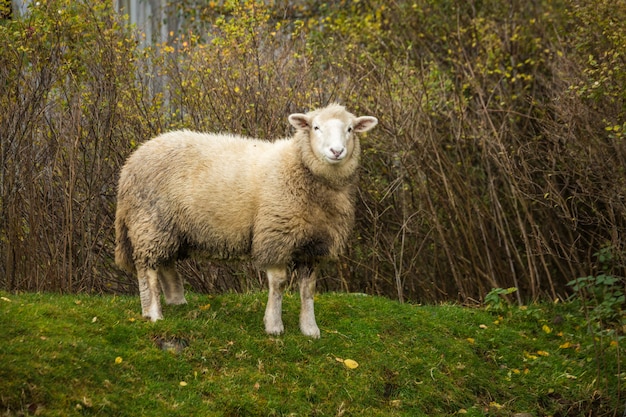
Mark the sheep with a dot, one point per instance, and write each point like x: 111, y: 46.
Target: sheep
x: 285, y: 205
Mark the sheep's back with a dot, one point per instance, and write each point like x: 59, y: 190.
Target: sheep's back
x: 203, y: 187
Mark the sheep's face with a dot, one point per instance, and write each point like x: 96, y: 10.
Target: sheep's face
x: 331, y: 132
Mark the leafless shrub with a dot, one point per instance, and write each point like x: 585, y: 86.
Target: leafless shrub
x: 499, y: 159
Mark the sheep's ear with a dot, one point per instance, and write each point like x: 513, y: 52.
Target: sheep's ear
x: 300, y: 121
x: 364, y: 123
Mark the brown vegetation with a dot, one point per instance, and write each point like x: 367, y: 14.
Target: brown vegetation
x: 500, y: 159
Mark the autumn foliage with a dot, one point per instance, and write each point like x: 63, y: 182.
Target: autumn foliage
x: 500, y: 159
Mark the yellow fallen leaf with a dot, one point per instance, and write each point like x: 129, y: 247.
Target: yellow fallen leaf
x: 543, y: 353
x: 614, y: 343
x: 471, y: 340
x: 565, y: 345
x: 483, y: 326
x: 546, y: 329
x: 5, y: 299
x: 205, y: 307
x: 183, y: 384
x: 529, y: 356
x: 350, y: 364
x: 495, y: 405
x: 118, y: 360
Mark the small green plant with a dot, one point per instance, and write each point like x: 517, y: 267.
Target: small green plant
x: 495, y: 299
x: 602, y: 294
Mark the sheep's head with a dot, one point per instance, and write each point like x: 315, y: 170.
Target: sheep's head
x: 331, y: 132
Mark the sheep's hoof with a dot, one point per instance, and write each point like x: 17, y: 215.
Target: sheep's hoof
x: 275, y: 332
x: 153, y: 316
x: 275, y: 329
x: 153, y: 319
x: 310, y: 331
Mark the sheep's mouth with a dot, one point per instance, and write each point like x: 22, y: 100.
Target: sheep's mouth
x: 334, y: 159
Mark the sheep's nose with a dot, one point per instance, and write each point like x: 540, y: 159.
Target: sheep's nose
x: 337, y: 153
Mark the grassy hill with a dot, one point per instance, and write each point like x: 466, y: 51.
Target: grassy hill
x: 95, y: 355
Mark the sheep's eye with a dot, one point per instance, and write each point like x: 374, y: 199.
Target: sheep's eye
x: 350, y: 129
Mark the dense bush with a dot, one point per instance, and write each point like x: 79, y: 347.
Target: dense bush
x: 499, y: 160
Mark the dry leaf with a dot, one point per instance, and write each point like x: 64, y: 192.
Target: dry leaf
x: 495, y: 405
x: 530, y: 356
x: 183, y: 384
x: 118, y: 360
x: 350, y: 364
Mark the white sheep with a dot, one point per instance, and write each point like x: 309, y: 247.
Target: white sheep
x: 282, y: 204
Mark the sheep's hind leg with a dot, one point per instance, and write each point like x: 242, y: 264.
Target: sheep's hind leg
x: 307, y: 276
x: 172, y: 285
x: 149, y: 293
x: 276, y: 278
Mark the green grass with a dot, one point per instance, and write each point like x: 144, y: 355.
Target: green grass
x: 59, y: 356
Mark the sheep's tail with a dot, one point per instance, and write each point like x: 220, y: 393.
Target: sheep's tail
x: 123, y: 247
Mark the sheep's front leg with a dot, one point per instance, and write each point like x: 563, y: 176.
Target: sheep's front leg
x: 172, y: 285
x: 308, y: 326
x: 149, y: 293
x: 276, y: 278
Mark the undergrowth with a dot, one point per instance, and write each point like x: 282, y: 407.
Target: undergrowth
x: 95, y: 355
x: 499, y: 160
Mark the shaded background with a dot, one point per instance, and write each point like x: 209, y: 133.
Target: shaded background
x: 499, y: 160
